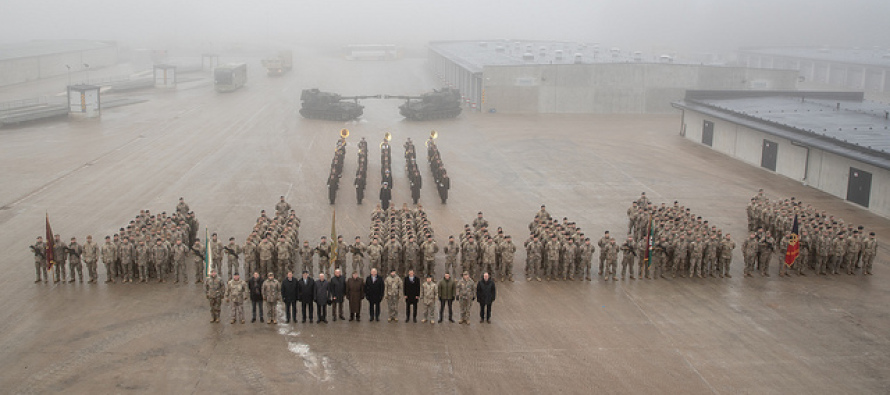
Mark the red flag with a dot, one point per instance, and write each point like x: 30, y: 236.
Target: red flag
x: 50, y: 244
x: 793, y: 245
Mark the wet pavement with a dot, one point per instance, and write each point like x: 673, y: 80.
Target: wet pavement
x: 231, y: 155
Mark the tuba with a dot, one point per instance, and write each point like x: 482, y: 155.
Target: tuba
x: 344, y: 133
x: 433, y: 136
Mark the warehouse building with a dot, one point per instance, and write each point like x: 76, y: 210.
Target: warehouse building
x: 564, y: 77
x: 851, y: 68
x: 836, y: 142
x: 34, y: 60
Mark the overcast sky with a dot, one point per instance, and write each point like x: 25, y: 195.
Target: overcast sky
x: 647, y: 25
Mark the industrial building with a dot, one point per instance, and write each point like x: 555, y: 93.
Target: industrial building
x: 564, y: 77
x: 38, y: 59
x: 848, y: 68
x: 836, y: 142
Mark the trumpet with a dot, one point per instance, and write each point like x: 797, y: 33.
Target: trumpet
x: 344, y: 133
x: 386, y: 138
x: 433, y: 135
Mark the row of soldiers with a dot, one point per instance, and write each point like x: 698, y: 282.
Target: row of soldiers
x: 826, y: 244
x: 336, y: 169
x: 440, y: 176
x: 672, y: 238
x: 150, y: 247
x: 361, y: 174
x: 415, y: 181
x: 482, y: 252
x: 557, y: 251
x: 402, y: 240
x: 385, y: 173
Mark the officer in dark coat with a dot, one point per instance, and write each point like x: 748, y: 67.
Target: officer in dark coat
x: 322, y: 297
x: 338, y: 294
x: 289, y: 294
x: 359, y: 186
x: 374, y: 293
x: 306, y: 294
x: 411, y: 288
x: 255, y: 284
x: 485, y: 295
x: 385, y: 195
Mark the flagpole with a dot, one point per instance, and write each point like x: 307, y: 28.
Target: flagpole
x: 334, y: 243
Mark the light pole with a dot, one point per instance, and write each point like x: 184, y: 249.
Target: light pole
x: 69, y: 74
x: 88, y: 72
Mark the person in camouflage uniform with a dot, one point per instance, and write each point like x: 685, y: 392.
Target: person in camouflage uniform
x: 393, y: 292
x: 869, y: 250
x: 628, y: 254
x: 214, y: 289
x: 358, y: 250
x: 232, y: 262
x: 451, y: 250
x: 109, y: 256
x: 726, y: 248
x: 74, y: 263
x: 271, y: 295
x: 90, y: 258
x: 507, y: 250
x: 39, y: 251
x: 429, y: 292
x: 466, y: 294
x: 198, y: 260
x: 533, y: 252
x: 236, y: 294
x: 749, y: 252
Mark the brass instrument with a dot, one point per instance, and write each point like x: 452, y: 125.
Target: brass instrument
x: 344, y: 133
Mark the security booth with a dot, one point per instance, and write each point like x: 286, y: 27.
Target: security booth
x: 84, y: 101
x: 164, y: 76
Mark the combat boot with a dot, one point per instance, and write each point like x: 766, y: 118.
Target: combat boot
x: 233, y: 320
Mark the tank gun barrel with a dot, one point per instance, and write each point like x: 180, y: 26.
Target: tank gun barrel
x: 362, y: 97
x: 402, y: 97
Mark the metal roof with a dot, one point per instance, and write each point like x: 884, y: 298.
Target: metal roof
x: 48, y: 47
x: 474, y: 55
x: 873, y: 57
x: 838, y: 122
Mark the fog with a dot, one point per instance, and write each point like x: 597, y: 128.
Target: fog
x: 648, y: 25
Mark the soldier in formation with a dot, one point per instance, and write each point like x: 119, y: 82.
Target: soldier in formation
x: 236, y: 293
x: 826, y: 243
x: 671, y: 239
x: 415, y: 181
x: 440, y: 175
x: 559, y: 250
x: 336, y: 169
x: 361, y: 173
x: 214, y: 290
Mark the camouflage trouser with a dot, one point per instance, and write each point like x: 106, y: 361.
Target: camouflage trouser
x: 764, y: 262
x: 867, y: 261
x: 250, y: 266
x: 59, y: 273
x: 695, y: 266
x: 358, y: 266
x: 644, y: 269
x: 429, y: 311
x: 465, y: 304
x: 215, y: 304
x: 392, y: 303
x: 341, y: 264
x: 324, y: 266
x: 602, y: 264
x: 375, y: 264
x: 550, y: 269
x: 91, y: 270
x: 199, y: 269
x: 265, y: 267
x: 109, y: 271
x: 40, y: 267
x: 143, y: 271
x: 233, y: 266
x: 533, y: 266
x: 271, y: 311
x: 568, y: 269
x: 821, y: 264
x: 237, y: 311
x: 850, y: 261
x: 429, y: 267
x: 749, y: 264
x: 180, y: 271
x: 449, y: 264
x: 627, y: 260
x: 801, y: 261
x: 678, y: 264
x: 507, y: 270
x: 217, y: 264
x: 161, y: 271
x: 723, y: 265
x: 587, y: 265
x: 783, y: 268
x: 709, y: 266
x: 128, y: 270
x: 612, y: 267
x: 76, y: 265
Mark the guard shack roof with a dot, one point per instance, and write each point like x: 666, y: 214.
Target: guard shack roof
x: 842, y: 123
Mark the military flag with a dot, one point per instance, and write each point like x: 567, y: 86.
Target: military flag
x: 334, y: 245
x: 50, y: 246
x: 793, y: 245
x: 208, y: 253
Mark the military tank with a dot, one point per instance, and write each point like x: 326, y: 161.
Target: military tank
x: 331, y: 106
x: 440, y: 103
